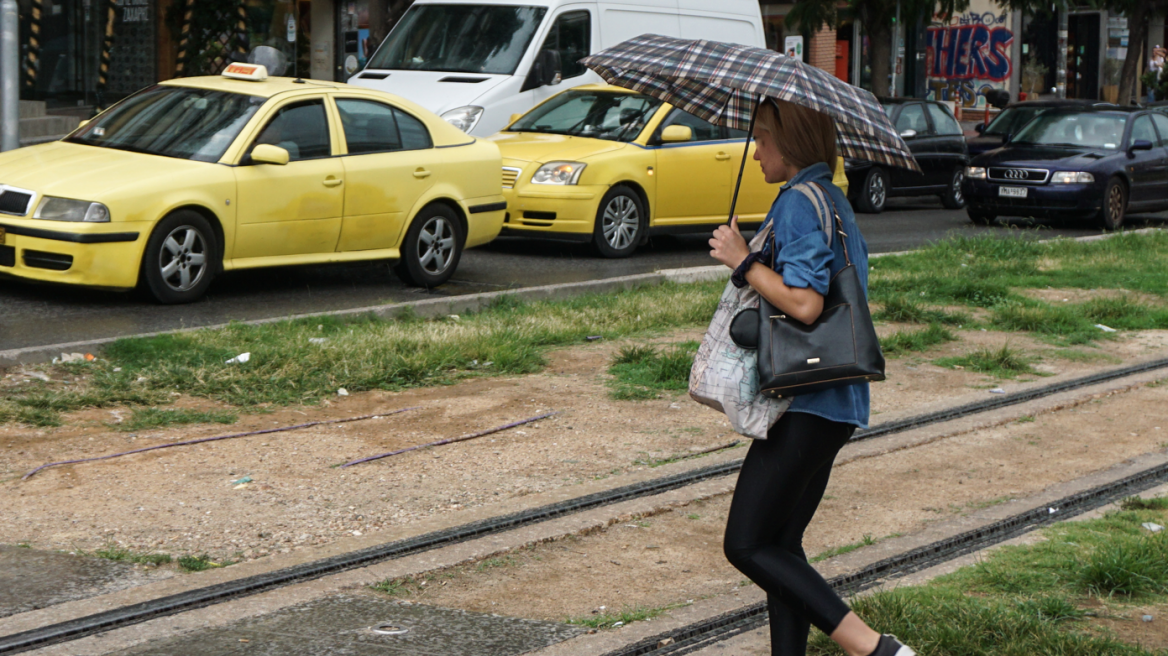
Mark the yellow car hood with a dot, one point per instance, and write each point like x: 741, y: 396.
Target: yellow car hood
x: 536, y: 147
x: 87, y: 172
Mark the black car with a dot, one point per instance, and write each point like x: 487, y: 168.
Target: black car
x: 1014, y: 116
x: 935, y: 139
x: 1075, y: 163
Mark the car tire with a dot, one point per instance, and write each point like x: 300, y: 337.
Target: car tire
x: 432, y: 247
x: 954, y: 198
x: 1114, y: 208
x: 980, y: 217
x: 621, y: 222
x: 873, y: 193
x: 181, y: 258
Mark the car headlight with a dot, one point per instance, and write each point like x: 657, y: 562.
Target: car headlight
x: 558, y: 173
x: 975, y: 172
x: 1071, y: 177
x: 464, y: 118
x: 66, y: 209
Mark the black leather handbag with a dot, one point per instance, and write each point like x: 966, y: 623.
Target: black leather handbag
x: 840, y: 348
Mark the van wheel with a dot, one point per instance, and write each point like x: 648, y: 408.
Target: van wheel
x: 432, y: 248
x: 872, y: 194
x: 621, y: 223
x: 1114, y: 208
x: 181, y: 259
x: 954, y: 198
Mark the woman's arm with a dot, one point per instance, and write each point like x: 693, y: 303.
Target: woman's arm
x: 730, y: 248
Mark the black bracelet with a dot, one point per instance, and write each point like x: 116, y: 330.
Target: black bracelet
x: 739, y: 275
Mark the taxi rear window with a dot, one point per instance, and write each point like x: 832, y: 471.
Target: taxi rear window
x: 181, y: 122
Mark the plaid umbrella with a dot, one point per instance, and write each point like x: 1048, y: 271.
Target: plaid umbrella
x: 723, y: 82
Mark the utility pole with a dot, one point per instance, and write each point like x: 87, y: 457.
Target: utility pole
x: 1061, y: 62
x: 9, y: 75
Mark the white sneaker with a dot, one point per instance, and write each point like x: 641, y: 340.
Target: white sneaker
x: 889, y: 645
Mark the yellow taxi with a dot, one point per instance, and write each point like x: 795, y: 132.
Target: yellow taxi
x: 200, y: 175
x: 612, y: 167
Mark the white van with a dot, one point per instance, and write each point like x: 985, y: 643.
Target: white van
x: 478, y: 63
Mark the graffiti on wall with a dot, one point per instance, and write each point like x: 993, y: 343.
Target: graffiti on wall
x: 968, y: 56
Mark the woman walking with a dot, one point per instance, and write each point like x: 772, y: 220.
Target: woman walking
x: 784, y: 476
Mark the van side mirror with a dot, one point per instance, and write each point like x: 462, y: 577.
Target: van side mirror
x: 1139, y: 144
x: 269, y: 154
x: 677, y: 134
x: 546, y: 71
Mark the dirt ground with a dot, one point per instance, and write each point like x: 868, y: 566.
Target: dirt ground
x: 676, y: 557
x: 183, y: 500
x: 1128, y: 624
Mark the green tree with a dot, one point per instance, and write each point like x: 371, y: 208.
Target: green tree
x: 877, y: 17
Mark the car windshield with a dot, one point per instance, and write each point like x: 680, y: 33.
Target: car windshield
x: 1012, y: 119
x: 195, y: 124
x: 1074, y: 130
x: 460, y: 39
x: 597, y: 114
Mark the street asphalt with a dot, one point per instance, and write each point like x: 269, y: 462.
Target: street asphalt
x: 39, y: 315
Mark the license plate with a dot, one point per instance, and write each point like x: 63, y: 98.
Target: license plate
x: 1012, y: 192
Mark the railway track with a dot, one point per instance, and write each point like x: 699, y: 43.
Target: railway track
x: 712, y: 630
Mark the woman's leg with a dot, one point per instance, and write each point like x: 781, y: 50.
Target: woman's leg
x: 780, y: 486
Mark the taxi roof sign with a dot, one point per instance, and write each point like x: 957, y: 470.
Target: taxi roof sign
x: 252, y: 72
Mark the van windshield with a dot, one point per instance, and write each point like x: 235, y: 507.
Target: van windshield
x: 460, y: 39
x: 596, y: 114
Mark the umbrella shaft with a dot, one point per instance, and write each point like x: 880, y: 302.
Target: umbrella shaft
x: 745, y: 154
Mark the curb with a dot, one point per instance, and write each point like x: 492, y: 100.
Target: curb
x: 448, y: 305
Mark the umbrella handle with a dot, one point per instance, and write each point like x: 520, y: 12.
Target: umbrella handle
x: 745, y: 153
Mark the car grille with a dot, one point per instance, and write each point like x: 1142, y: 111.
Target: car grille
x: 510, y: 175
x: 1018, y: 175
x: 14, y: 202
x: 50, y: 261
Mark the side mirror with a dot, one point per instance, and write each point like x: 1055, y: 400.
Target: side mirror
x: 545, y: 71
x: 677, y: 134
x: 83, y: 123
x: 908, y: 134
x: 269, y: 154
x: 514, y: 117
x: 1007, y: 138
x: 980, y: 128
x: 1139, y: 144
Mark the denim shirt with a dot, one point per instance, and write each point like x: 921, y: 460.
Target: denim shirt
x: 805, y: 260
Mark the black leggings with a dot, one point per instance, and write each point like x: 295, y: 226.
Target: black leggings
x: 782, y: 481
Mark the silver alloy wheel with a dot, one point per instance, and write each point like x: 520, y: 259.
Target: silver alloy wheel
x: 876, y: 191
x: 958, y: 178
x: 436, y: 245
x: 622, y: 221
x: 182, y: 260
x: 1115, y: 203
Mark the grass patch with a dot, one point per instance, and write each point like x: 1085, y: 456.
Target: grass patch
x: 609, y: 620
x: 644, y: 372
x: 148, y: 418
x: 899, y: 309
x: 1004, y: 362
x: 865, y: 541
x: 1139, y: 503
x: 907, y: 341
x: 1026, y: 600
x: 123, y: 555
x: 199, y: 563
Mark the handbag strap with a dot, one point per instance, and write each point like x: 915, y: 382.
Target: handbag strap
x: 817, y: 200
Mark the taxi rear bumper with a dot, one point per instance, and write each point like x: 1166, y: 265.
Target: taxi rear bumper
x: 105, y: 256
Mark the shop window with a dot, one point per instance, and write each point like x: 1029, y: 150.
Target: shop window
x: 372, y: 127
x: 571, y: 36
x: 300, y: 129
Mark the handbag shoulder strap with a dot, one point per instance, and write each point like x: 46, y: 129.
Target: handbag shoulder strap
x: 821, y: 199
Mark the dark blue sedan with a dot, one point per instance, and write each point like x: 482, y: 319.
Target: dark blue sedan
x: 1074, y: 163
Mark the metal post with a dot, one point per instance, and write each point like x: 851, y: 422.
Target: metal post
x: 1061, y: 62
x: 9, y: 75
x: 895, y: 51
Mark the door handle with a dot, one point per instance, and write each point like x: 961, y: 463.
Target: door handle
x: 722, y: 157
x: 332, y: 182
x: 421, y: 173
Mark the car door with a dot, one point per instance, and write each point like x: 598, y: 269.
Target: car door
x: 756, y: 196
x: 1160, y: 192
x: 1144, y: 165
x: 296, y: 208
x: 913, y: 126
x: 950, y: 149
x: 388, y: 166
x: 693, y: 178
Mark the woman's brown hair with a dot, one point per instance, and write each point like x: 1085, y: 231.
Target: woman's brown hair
x: 803, y: 136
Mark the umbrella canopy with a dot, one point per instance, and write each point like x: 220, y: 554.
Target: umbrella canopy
x: 722, y: 83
